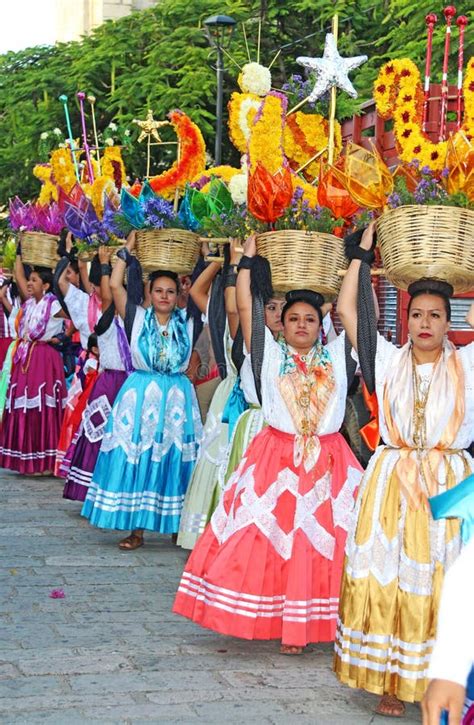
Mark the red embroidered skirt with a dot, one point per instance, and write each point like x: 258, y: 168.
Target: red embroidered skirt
x: 269, y: 564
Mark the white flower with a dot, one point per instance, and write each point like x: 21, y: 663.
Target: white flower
x: 255, y: 78
x: 112, y: 126
x: 109, y: 141
x: 57, y: 131
x: 44, y: 135
x: 238, y: 188
x: 127, y: 132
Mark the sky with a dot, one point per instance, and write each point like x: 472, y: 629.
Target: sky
x: 24, y: 23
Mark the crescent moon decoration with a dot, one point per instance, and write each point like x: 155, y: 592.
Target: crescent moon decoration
x: 192, y: 159
x: 398, y: 93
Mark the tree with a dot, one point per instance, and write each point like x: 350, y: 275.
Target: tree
x: 160, y: 59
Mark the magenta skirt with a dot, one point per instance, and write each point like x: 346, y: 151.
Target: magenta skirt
x: 84, y: 449
x: 33, y: 412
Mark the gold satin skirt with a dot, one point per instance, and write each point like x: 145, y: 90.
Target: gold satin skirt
x: 394, y: 567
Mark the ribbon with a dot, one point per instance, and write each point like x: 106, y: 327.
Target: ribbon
x: 94, y: 309
x: 457, y: 502
x: 370, y: 432
x: 235, y: 406
x: 124, y: 347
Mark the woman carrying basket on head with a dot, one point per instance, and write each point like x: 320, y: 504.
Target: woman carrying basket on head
x: 396, y: 555
x: 152, y: 436
x: 37, y: 389
x: 268, y: 565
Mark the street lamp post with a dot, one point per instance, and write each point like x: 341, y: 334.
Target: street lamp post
x: 219, y: 30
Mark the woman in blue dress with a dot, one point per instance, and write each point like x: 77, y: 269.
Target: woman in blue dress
x: 151, y: 440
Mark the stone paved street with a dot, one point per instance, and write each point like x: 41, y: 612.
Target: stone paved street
x: 112, y: 652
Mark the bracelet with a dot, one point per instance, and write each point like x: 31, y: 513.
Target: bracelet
x: 124, y: 255
x: 365, y: 255
x: 245, y: 263
x: 105, y: 270
x: 230, y: 279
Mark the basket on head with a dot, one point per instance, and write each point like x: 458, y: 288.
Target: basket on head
x: 39, y: 249
x: 304, y: 260
x: 428, y: 241
x: 173, y: 249
x: 87, y: 255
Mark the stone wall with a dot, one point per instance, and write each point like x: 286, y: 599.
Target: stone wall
x: 74, y: 19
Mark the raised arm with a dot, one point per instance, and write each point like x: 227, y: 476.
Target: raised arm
x: 105, y: 271
x: 84, y: 274
x: 347, y: 300
x: 62, y: 280
x: 20, y: 277
x: 229, y: 291
x: 243, y: 294
x: 4, y: 301
x: 200, y: 289
x: 119, y: 293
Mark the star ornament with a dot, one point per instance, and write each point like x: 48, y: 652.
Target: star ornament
x: 332, y: 70
x: 149, y: 127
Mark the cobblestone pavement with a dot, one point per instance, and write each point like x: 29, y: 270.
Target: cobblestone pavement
x: 111, y: 651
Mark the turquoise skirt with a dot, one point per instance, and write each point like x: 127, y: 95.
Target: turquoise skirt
x: 147, y: 456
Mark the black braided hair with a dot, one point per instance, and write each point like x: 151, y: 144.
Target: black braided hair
x: 314, y: 299
x: 262, y: 291
x: 436, y: 287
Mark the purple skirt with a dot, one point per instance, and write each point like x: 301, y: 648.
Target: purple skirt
x: 85, y: 448
x: 33, y: 413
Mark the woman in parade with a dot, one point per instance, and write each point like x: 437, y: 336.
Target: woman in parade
x: 84, y: 309
x: 37, y: 390
x: 396, y: 555
x: 269, y: 564
x: 115, y: 364
x: 198, y: 505
x: 152, y: 436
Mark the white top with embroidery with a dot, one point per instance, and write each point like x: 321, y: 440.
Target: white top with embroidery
x: 77, y: 303
x: 386, y: 357
x: 34, y: 312
x: 137, y: 358
x: 109, y: 350
x: 247, y: 382
x: 274, y: 409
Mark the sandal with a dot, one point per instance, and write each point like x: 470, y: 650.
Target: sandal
x: 134, y: 541
x: 390, y: 706
x: 291, y: 649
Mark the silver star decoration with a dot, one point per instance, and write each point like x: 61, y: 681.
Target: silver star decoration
x: 332, y: 70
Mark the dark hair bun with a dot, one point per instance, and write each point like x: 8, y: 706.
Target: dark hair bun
x: 164, y: 273
x: 431, y: 286
x: 305, y: 295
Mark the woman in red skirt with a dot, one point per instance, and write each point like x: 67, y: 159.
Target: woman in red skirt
x: 269, y: 564
x: 37, y: 390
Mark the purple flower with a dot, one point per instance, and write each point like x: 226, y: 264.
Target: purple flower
x: 426, y: 170
x: 57, y: 594
x: 445, y: 173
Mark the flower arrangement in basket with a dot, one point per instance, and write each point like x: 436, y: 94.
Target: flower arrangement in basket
x: 38, y: 228
x: 300, y: 243
x: 162, y: 240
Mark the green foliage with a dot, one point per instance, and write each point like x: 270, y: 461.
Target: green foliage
x: 160, y: 59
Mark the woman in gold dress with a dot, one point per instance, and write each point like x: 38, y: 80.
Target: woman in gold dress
x: 396, y: 554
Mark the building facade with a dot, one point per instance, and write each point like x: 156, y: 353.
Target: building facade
x: 75, y: 18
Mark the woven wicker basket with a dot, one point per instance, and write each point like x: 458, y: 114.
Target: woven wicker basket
x: 304, y: 260
x: 428, y: 241
x: 87, y: 255
x: 39, y: 249
x: 173, y: 249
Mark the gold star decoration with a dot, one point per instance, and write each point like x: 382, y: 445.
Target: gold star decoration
x: 149, y: 127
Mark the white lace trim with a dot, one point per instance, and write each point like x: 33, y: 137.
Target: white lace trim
x: 40, y: 401
x: 133, y: 502
x: 258, y: 510
x: 253, y: 606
